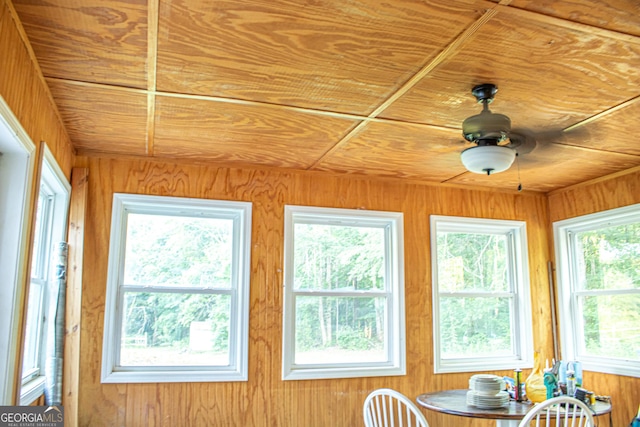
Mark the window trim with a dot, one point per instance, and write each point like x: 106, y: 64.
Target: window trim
x: 238, y: 369
x: 567, y: 301
x: 396, y: 341
x: 17, y: 169
x: 519, y: 266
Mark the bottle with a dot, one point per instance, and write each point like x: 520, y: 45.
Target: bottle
x: 562, y: 373
x: 577, y: 370
x: 571, y: 383
x: 534, y: 384
x: 518, y: 385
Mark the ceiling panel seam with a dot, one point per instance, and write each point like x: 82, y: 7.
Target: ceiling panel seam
x: 450, y: 50
x: 152, y: 61
x: 604, y: 113
x: 567, y: 24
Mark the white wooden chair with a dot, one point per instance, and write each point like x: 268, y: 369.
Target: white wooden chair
x: 388, y: 408
x: 561, y: 411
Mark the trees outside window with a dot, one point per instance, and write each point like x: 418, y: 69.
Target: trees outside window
x: 177, y: 296
x: 343, y: 314
x: 481, y: 306
x: 598, y: 274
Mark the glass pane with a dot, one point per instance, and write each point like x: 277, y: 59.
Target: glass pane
x: 609, y: 258
x: 475, y: 327
x: 175, y: 329
x: 340, y: 330
x: 30, y: 361
x: 38, y: 261
x: 178, y: 251
x: 339, y: 257
x: 473, y: 262
x: 612, y: 325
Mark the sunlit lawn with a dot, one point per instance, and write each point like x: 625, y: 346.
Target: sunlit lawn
x: 149, y: 356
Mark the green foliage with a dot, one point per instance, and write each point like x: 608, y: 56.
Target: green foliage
x: 353, y: 339
x: 475, y: 326
x: 339, y: 258
x: 341, y: 322
x: 609, y: 260
x: 165, y: 251
x: 478, y: 325
x: 178, y: 251
x: 472, y: 262
x: 165, y: 318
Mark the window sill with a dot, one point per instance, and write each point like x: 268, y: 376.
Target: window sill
x: 300, y: 373
x: 177, y: 376
x: 31, y: 391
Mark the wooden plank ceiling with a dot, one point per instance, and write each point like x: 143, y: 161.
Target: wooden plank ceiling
x: 360, y: 87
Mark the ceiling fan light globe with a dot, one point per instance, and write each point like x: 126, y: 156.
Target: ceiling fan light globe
x: 488, y: 159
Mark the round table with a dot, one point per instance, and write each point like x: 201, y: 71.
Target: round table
x: 454, y: 402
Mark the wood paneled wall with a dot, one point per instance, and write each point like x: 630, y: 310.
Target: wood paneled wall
x: 600, y: 195
x: 266, y: 400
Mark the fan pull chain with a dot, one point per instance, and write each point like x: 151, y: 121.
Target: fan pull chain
x: 518, y: 164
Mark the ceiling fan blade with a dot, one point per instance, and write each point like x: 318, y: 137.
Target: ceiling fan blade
x: 523, y: 141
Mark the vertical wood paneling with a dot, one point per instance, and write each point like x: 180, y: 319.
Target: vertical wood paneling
x: 617, y: 191
x: 73, y: 308
x: 100, y: 405
x: 266, y: 400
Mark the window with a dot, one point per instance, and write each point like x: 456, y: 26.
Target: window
x: 50, y: 229
x: 598, y: 274
x: 481, y: 302
x: 177, y: 291
x: 17, y: 163
x: 343, y: 292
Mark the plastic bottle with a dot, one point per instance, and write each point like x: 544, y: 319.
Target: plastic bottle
x: 571, y: 383
x: 534, y: 384
x: 562, y: 374
x: 577, y: 369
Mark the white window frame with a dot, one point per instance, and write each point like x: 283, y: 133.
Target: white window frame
x: 566, y: 272
x: 56, y: 190
x: 392, y: 223
x: 240, y: 213
x: 521, y: 322
x: 17, y: 165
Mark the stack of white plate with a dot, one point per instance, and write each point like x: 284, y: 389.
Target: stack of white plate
x: 487, y: 392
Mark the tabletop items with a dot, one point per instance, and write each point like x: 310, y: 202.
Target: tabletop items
x: 487, y: 391
x: 562, y: 378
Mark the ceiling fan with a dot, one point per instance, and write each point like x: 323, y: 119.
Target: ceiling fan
x: 496, y: 144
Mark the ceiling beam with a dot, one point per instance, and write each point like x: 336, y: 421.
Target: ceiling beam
x: 152, y: 60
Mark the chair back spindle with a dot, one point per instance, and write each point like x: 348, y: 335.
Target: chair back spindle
x: 389, y: 408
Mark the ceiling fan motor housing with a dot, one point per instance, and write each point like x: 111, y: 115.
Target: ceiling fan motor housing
x: 486, y: 128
